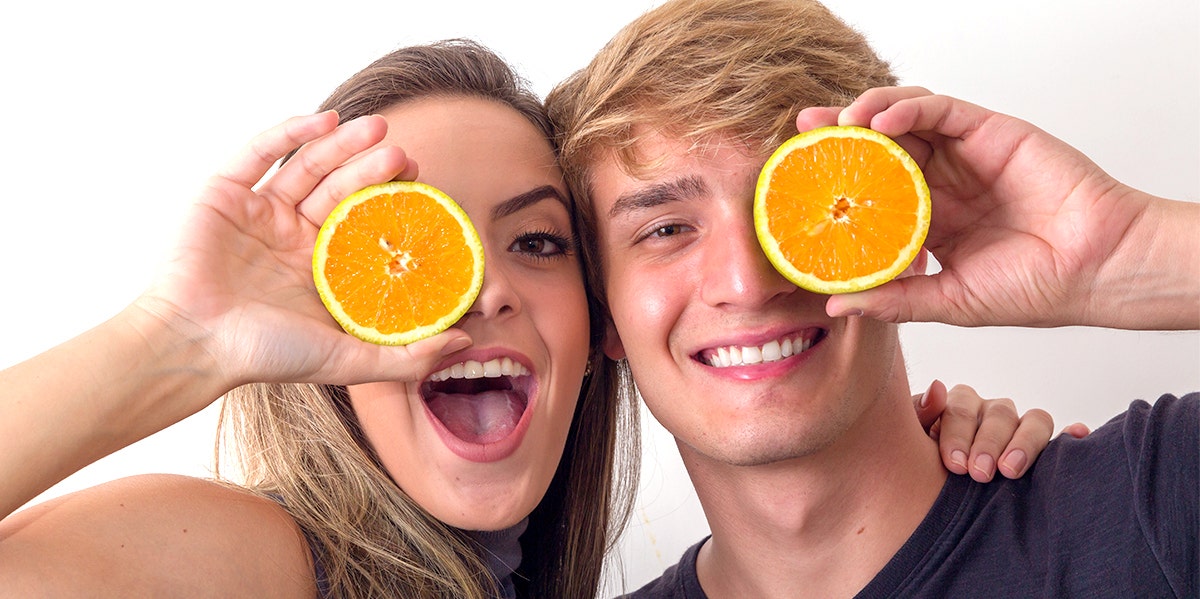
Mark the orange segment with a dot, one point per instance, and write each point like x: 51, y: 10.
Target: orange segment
x: 841, y: 209
x: 397, y: 262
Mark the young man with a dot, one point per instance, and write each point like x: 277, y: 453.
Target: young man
x: 814, y: 475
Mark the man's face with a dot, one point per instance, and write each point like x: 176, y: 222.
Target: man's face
x: 735, y: 361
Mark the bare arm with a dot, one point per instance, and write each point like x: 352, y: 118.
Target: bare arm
x: 236, y: 303
x: 155, y: 536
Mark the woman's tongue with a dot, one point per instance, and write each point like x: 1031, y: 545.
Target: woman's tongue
x: 479, y: 418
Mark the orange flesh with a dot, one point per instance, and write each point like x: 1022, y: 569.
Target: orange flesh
x: 841, y: 225
x: 397, y: 263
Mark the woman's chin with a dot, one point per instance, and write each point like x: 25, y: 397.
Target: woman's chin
x: 485, y: 517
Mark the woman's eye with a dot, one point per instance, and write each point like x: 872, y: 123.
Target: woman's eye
x: 542, y: 245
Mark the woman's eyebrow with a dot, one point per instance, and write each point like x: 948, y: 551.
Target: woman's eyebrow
x: 683, y: 188
x: 533, y: 196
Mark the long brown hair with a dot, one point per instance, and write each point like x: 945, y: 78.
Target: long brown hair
x: 303, y: 446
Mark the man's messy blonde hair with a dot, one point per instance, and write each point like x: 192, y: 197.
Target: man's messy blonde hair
x: 696, y: 70
x: 692, y: 69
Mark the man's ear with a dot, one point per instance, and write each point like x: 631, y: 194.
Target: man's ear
x: 613, y: 348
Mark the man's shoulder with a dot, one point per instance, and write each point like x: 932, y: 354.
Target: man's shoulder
x: 677, y: 582
x: 1112, y: 514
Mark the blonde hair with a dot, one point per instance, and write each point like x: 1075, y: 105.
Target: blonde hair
x: 695, y: 70
x: 302, y: 445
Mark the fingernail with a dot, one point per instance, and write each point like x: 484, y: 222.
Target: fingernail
x: 985, y: 465
x: 925, y: 396
x: 1015, y: 461
x: 456, y: 344
x: 846, y: 312
x: 958, y: 458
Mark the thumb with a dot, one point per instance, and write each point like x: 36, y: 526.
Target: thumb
x: 416, y: 360
x: 917, y: 298
x: 887, y: 302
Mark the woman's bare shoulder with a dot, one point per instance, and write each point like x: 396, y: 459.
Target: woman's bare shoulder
x: 155, y: 535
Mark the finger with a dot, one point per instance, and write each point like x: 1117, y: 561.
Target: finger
x: 941, y: 115
x: 367, y: 362
x: 915, y: 298
x: 930, y: 404
x: 862, y: 111
x: 1028, y: 441
x: 1078, y: 430
x: 258, y: 156
x: 889, y: 302
x: 817, y: 116
x: 935, y: 430
x: 997, y: 424
x: 316, y: 159
x: 959, y: 424
x: 385, y: 163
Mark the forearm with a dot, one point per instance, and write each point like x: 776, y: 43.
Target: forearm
x: 1152, y: 280
x: 103, y: 390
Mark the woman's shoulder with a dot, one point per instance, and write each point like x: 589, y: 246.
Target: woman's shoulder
x: 155, y: 535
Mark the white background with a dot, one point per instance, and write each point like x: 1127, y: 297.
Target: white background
x: 114, y: 112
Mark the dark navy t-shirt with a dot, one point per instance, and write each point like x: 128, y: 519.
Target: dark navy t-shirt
x: 1115, y: 514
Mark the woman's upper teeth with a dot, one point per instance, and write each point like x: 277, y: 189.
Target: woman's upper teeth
x: 772, y: 351
x: 472, y: 369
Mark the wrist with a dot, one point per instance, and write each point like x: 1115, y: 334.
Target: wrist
x: 1151, y: 280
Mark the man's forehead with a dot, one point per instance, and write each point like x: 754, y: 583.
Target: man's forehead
x: 656, y: 160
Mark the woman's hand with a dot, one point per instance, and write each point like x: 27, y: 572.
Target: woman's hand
x: 1028, y: 231
x: 240, y: 282
x: 979, y: 436
x: 236, y: 303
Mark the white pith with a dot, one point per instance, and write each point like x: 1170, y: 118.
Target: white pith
x: 472, y: 369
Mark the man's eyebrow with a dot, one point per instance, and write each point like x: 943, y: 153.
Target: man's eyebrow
x: 683, y: 188
x: 533, y: 196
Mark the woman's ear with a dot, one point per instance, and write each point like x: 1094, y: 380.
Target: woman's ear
x: 613, y: 348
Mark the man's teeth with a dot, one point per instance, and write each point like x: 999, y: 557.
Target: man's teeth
x: 476, y: 370
x: 772, y: 351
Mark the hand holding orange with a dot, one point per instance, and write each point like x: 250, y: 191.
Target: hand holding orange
x: 397, y: 262
x: 841, y: 209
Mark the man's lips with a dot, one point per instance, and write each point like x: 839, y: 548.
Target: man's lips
x: 772, y: 350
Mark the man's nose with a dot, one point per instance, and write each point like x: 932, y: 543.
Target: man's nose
x: 736, y: 272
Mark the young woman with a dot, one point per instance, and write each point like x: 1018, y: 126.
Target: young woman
x: 354, y: 481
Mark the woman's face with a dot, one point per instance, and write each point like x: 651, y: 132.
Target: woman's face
x: 477, y: 442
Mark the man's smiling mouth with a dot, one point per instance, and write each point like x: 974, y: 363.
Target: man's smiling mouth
x: 771, y: 351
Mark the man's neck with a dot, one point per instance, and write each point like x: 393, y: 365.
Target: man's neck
x: 822, y: 525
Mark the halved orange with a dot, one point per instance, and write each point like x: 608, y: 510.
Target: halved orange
x: 397, y: 262
x: 841, y: 209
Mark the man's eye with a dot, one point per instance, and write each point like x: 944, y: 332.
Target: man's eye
x: 670, y: 230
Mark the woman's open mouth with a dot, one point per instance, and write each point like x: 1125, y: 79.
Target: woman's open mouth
x: 479, y: 403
